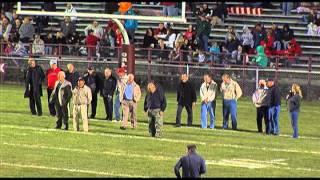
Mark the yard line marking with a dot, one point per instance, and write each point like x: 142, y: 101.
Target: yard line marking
x: 219, y: 130
x: 36, y: 146
x: 103, y: 134
x: 66, y: 169
x: 235, y: 162
x: 169, y: 140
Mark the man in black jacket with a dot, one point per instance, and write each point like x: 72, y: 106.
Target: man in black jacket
x: 108, y: 86
x: 192, y: 164
x: 154, y: 105
x: 186, y: 97
x: 274, y: 109
x: 92, y: 82
x: 72, y: 76
x: 33, y: 82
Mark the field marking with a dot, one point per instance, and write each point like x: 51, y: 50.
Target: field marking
x: 169, y: 140
x: 235, y: 162
x: 66, y: 169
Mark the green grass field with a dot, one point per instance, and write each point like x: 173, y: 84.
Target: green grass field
x: 31, y: 147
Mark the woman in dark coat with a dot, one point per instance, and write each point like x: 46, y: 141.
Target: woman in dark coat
x: 33, y: 82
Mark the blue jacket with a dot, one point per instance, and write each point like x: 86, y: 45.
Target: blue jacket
x: 192, y: 165
x: 130, y: 23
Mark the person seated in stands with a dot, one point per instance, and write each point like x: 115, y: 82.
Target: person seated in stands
x: 313, y: 30
x: 286, y: 35
x: 49, y: 40
x: 26, y: 31
x: 232, y: 45
x: 71, y: 10
x: 74, y: 41
x: 214, y: 53
x: 238, y: 55
x: 201, y: 56
x: 160, y: 32
x: 247, y: 39
x: 219, y: 14
x: 260, y: 59
x: 313, y: 23
x: 38, y: 45
x: 97, y: 29
x: 91, y: 42
x: 15, y: 16
x: 5, y: 29
x: 149, y: 41
x: 268, y: 43
x: 163, y: 53
x: 190, y: 33
x: 15, y: 30
x: 277, y: 37
x: 9, y: 48
x: 258, y: 35
x: 170, y: 38
x: 20, y: 50
x: 175, y: 53
x: 67, y: 27
x: 291, y: 54
x: 60, y: 40
x: 231, y: 32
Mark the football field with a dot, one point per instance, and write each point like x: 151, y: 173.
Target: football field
x: 31, y: 147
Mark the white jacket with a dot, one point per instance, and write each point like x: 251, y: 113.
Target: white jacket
x: 208, y: 92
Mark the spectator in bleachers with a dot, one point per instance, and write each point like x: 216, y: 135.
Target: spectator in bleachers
x: 7, y: 9
x: 97, y: 29
x: 200, y: 12
x: 313, y: 20
x: 206, y: 10
x: 170, y: 38
x: 160, y: 32
x: 15, y: 16
x: 5, y: 29
x: 260, y: 59
x: 131, y: 25
x: 313, y: 30
x: 38, y: 45
x: 9, y: 48
x: 74, y: 41
x: 71, y: 10
x: 163, y: 53
x: 67, y: 27
x: 169, y: 9
x: 238, y: 55
x: 277, y: 37
x: 203, y: 32
x: 175, y: 53
x: 49, y: 41
x: 149, y: 41
x: 91, y: 42
x: 292, y: 53
x: 286, y: 8
x: 124, y: 7
x: 247, y: 39
x: 214, y: 52
x: 286, y: 35
x: 219, y: 13
x: 231, y: 32
x: 20, y: 50
x: 268, y: 43
x: 258, y: 35
x: 26, y: 31
x: 59, y: 40
x: 15, y: 30
x: 189, y: 34
x: 232, y: 45
x: 41, y: 21
x: 119, y: 38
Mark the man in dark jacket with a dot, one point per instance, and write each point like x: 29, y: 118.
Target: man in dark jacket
x: 108, y: 86
x: 72, y: 76
x: 61, y: 96
x: 193, y: 165
x: 33, y: 80
x: 186, y: 97
x: 274, y: 110
x: 203, y: 32
x: 92, y: 82
x: 154, y: 105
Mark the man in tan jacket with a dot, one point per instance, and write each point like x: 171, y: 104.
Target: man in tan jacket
x: 231, y: 92
x: 82, y: 97
x: 129, y: 95
x: 208, y: 94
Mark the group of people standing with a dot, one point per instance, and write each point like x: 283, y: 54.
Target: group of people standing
x: 70, y: 92
x: 267, y: 99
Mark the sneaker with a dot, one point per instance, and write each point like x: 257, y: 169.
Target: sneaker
x: 122, y: 128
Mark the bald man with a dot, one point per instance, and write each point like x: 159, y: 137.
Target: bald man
x: 108, y: 87
x: 129, y: 95
x: 61, y: 96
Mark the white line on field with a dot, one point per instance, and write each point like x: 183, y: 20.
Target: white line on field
x: 242, y: 163
x: 66, y: 169
x: 168, y: 140
x: 103, y: 134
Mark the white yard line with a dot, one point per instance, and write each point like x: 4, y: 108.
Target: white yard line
x: 66, y: 169
x: 242, y: 163
x: 169, y: 140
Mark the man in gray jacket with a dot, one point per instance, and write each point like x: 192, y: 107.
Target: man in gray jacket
x: 26, y: 31
x: 61, y: 96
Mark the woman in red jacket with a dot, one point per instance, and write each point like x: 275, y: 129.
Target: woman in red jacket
x: 91, y: 41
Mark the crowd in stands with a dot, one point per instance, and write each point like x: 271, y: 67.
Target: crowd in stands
x: 191, y: 45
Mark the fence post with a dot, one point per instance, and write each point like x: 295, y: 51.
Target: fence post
x: 257, y: 77
x: 180, y: 63
x: 1, y: 60
x: 309, y: 77
x: 149, y: 63
x: 277, y: 68
x: 243, y: 70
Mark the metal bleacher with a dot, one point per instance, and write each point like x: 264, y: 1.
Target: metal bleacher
x: 310, y: 45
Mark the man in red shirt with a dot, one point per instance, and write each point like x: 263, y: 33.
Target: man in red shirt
x: 52, y: 77
x: 92, y: 42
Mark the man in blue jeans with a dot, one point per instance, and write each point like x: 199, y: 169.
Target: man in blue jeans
x: 208, y: 94
x: 231, y: 92
x: 275, y: 104
x: 122, y: 79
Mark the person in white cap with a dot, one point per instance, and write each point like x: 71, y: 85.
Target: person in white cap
x: 52, y: 77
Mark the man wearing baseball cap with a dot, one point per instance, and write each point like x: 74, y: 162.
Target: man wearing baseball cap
x: 121, y: 81
x: 275, y: 104
x: 81, y: 99
x: 52, y: 77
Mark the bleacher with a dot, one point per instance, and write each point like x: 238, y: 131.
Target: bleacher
x: 310, y: 45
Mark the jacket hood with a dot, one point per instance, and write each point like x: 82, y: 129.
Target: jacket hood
x: 260, y: 50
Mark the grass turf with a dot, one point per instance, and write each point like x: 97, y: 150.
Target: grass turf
x: 31, y: 147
